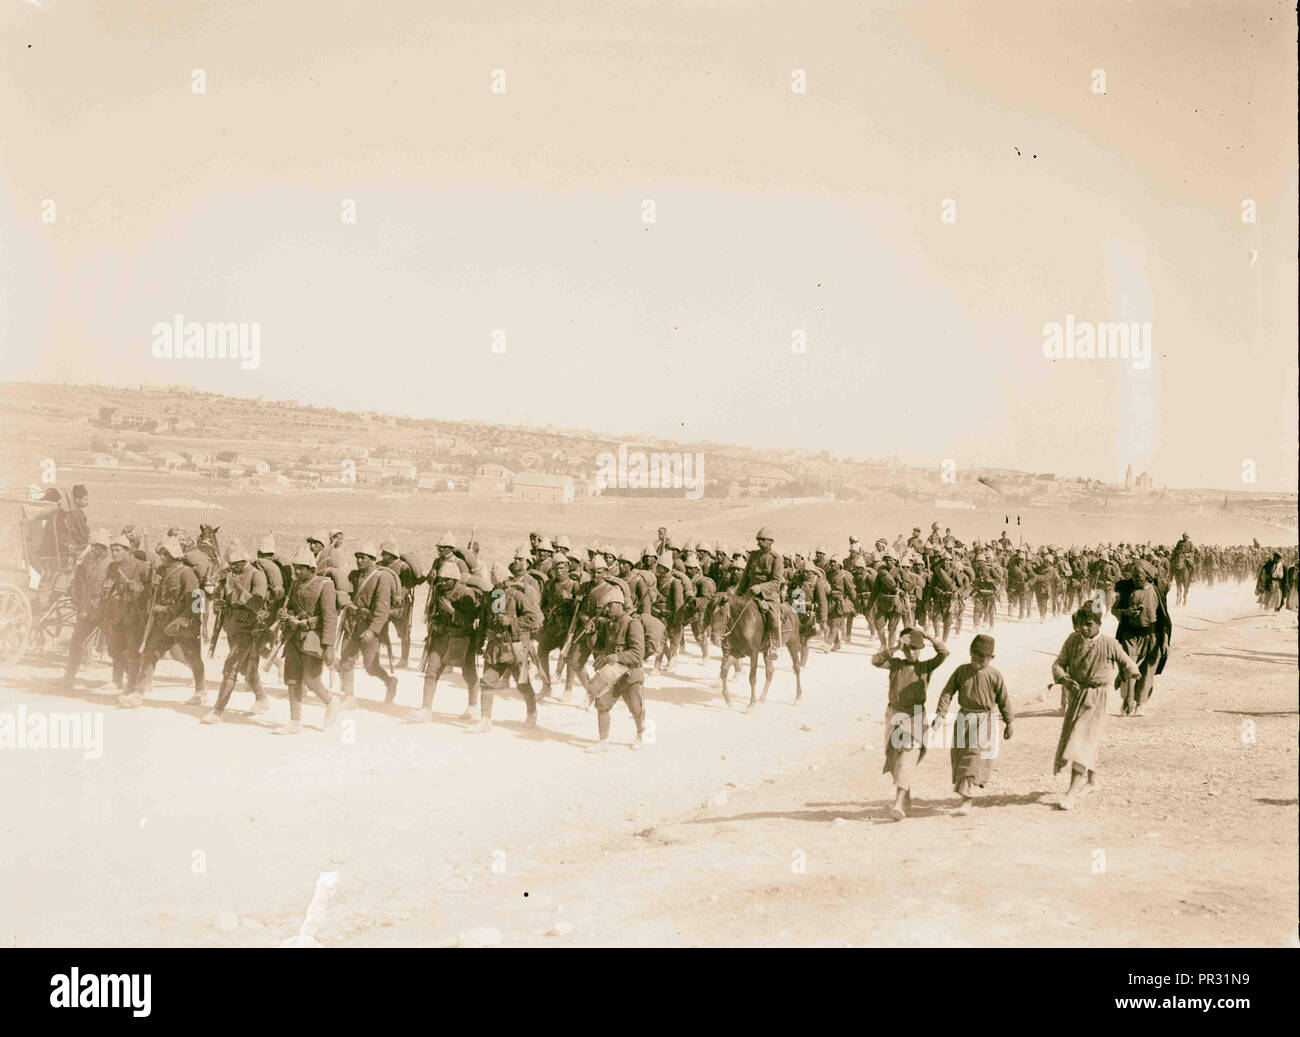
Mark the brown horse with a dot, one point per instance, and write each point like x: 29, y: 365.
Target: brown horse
x: 743, y: 636
x: 1184, y: 570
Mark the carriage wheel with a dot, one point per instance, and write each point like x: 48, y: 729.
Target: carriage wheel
x: 15, y: 624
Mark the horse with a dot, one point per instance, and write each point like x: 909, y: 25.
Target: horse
x: 1184, y: 571
x: 743, y: 636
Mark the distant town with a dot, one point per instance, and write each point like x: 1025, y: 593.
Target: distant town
x: 258, y: 444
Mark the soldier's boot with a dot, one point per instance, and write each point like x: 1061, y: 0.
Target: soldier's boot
x: 485, y: 713
x: 254, y: 679
x: 470, y: 703
x: 425, y: 712
x: 347, y: 681
x: 390, y: 688
x: 200, y: 696
x: 602, y: 729
x: 294, y: 726
x: 530, y: 704
x: 214, y: 715
x: 404, y: 663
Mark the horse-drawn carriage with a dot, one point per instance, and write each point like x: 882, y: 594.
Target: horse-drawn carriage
x: 37, y: 557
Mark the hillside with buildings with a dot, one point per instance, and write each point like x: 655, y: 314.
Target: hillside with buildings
x: 255, y: 443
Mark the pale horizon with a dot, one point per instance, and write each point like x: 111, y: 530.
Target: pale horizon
x: 774, y: 211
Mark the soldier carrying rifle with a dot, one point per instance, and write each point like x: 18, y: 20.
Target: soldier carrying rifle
x: 241, y: 603
x: 364, y: 622
x: 309, y: 624
x: 175, y: 613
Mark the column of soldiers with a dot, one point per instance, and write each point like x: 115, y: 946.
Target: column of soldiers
x: 613, y: 610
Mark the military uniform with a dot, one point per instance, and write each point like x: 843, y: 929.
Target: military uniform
x: 124, y: 616
x: 450, y: 639
x: 88, y: 591
x: 366, y: 619
x: 311, y: 628
x: 242, y: 598
x: 174, y: 622
x: 763, y: 577
x: 509, y: 616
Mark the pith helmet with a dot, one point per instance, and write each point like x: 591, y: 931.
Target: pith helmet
x: 666, y: 560
x: 100, y: 536
x: 692, y: 561
x: 303, y: 556
x: 367, y: 548
x: 764, y: 534
x: 388, y: 548
x: 237, y: 553
x: 267, y: 545
x: 171, y: 546
x: 120, y: 540
x: 447, y: 540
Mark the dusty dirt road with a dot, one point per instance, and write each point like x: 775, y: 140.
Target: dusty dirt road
x: 181, y: 834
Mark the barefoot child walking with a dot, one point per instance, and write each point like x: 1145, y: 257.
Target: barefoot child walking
x: 909, y: 681
x: 979, y: 689
x: 1086, y: 669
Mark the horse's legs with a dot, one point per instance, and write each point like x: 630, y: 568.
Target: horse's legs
x: 798, y: 683
x: 753, y: 678
x: 723, y: 675
x: 769, y: 668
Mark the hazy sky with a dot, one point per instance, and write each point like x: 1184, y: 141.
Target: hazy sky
x: 774, y: 211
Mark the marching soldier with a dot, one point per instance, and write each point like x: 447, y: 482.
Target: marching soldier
x: 124, y: 615
x: 277, y: 579
x: 559, y: 598
x: 241, y: 602
x: 508, y: 616
x: 334, y: 555
x: 668, y: 607
x: 407, y: 579
x: 808, y: 599
x: 762, y: 578
x: 172, y: 620
x: 366, y: 618
x: 90, y: 581
x: 841, y: 603
x: 702, y: 591
x: 310, y: 623
x: 450, y: 625
x: 619, y: 654
x: 583, y: 627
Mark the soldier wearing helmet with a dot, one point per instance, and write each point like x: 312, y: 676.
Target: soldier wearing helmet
x: 702, y: 591
x: 450, y: 635
x: 619, y: 651
x: 559, y: 600
x: 669, y: 607
x: 373, y: 589
x: 508, y: 618
x: 241, y: 603
x: 124, y: 611
x: 310, y: 618
x: 762, y: 579
x: 174, y: 619
x: 403, y: 605
x: 88, y: 593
